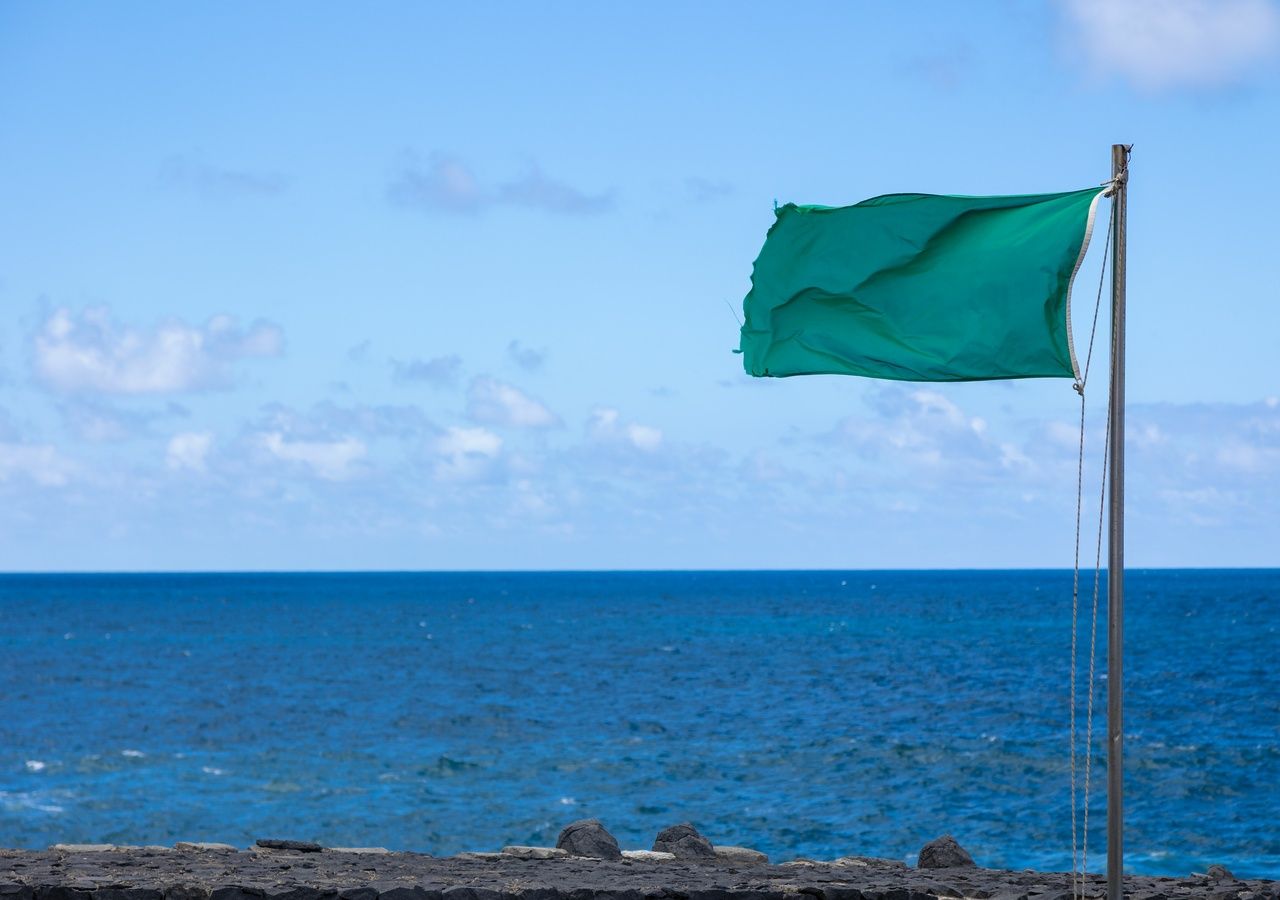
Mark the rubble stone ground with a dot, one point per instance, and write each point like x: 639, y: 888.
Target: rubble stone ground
x: 297, y: 870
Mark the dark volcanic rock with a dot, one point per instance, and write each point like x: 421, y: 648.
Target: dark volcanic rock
x: 943, y: 853
x: 1220, y: 873
x: 186, y: 892
x: 301, y: 846
x: 463, y: 892
x: 587, y: 837
x: 684, y: 842
x: 127, y: 894
x: 61, y: 892
x: 161, y: 874
x: 403, y: 893
x: 841, y: 892
x: 236, y: 892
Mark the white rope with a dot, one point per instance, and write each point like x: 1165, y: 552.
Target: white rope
x: 1080, y: 848
x: 1075, y: 615
x: 1093, y: 646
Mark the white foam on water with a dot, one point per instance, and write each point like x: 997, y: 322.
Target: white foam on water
x: 35, y: 765
x: 567, y: 801
x: 18, y: 801
x: 132, y: 754
x: 213, y: 770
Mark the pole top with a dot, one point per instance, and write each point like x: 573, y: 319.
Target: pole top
x: 1119, y: 168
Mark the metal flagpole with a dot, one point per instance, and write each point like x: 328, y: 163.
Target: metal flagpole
x: 1115, y: 557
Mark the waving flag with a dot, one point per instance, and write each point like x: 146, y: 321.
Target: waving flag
x: 919, y: 287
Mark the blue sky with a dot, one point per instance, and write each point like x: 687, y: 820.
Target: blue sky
x: 298, y: 286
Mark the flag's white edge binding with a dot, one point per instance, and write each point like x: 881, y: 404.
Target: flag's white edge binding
x: 1084, y: 248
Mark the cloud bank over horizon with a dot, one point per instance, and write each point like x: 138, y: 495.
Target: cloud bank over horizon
x: 493, y: 463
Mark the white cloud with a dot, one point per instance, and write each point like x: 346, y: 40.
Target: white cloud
x: 466, y: 454
x: 1248, y: 457
x: 92, y: 353
x: 493, y: 402
x: 330, y: 460
x: 39, y: 462
x: 327, y: 420
x: 441, y: 371
x: 1160, y: 44
x: 469, y: 441
x: 526, y: 358
x: 644, y: 437
x: 447, y: 184
x: 606, y: 424
x: 926, y: 429
x: 759, y: 466
x: 95, y: 419
x: 537, y: 190
x: 528, y: 500
x: 181, y: 171
x: 187, y: 450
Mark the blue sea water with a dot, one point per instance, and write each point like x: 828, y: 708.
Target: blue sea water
x: 803, y: 713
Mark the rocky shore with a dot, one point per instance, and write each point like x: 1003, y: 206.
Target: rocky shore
x: 587, y: 865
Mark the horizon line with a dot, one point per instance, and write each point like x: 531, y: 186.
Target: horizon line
x: 607, y: 571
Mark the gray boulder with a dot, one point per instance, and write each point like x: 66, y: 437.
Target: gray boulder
x: 741, y: 856
x: 587, y: 837
x: 1220, y: 873
x: 684, y: 842
x: 943, y: 853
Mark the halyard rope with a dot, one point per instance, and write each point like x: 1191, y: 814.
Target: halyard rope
x: 1080, y: 849
x: 1093, y: 645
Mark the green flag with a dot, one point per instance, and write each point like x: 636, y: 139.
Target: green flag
x: 919, y: 287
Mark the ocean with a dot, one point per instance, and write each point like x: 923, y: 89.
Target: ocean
x: 812, y: 714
